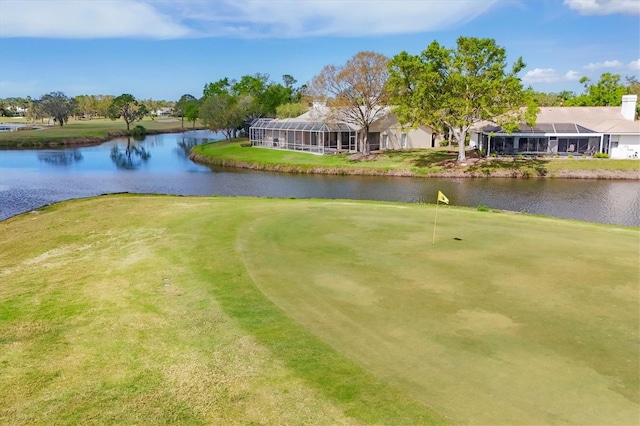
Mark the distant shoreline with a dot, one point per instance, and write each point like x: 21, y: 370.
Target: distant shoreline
x: 53, y: 142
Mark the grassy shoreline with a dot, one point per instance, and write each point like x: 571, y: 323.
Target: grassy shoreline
x: 414, y: 163
x: 255, y: 328
x: 84, y: 132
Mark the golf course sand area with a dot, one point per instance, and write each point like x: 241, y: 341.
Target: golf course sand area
x: 155, y: 309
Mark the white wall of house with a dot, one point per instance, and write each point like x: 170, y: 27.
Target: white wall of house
x: 391, y: 135
x: 625, y: 146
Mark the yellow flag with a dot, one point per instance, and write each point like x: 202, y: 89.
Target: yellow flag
x: 442, y: 198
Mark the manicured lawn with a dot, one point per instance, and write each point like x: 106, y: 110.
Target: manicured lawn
x: 314, y: 312
x: 416, y: 162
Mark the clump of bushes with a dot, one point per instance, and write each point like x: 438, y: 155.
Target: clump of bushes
x: 138, y: 132
x: 482, y: 208
x: 444, y: 143
x: 600, y: 155
x: 245, y: 144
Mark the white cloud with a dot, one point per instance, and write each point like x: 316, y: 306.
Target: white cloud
x: 237, y: 18
x: 549, y: 75
x: 86, y: 19
x: 604, y: 7
x: 541, y: 75
x: 572, y: 76
x: 605, y: 64
x: 634, y: 65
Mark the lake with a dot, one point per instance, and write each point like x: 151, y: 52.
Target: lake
x: 160, y: 164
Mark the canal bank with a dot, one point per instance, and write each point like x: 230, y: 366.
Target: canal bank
x: 435, y: 163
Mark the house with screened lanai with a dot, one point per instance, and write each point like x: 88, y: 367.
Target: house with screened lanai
x: 315, y: 132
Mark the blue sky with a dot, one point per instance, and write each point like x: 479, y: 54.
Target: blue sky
x: 163, y: 49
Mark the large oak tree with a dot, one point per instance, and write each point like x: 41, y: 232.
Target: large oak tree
x: 458, y: 87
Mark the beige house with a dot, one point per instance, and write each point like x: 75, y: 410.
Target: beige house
x: 569, y: 131
x: 317, y: 132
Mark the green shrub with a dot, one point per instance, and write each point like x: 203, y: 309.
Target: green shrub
x: 444, y: 143
x: 245, y: 145
x: 482, y: 208
x: 570, y: 156
x: 600, y: 155
x: 138, y: 132
x: 481, y: 153
x: 494, y: 155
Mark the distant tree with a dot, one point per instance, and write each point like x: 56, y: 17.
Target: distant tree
x: 291, y: 110
x: 152, y: 107
x: 225, y: 113
x: 58, y: 105
x: 458, y: 87
x: 633, y: 88
x: 356, y: 91
x: 288, y: 81
x: 551, y: 99
x: 86, y: 105
x: 191, y: 111
x: 128, y: 108
x: 219, y: 87
x: 273, y: 96
x: 608, y: 91
x: 103, y: 102
x: 178, y: 108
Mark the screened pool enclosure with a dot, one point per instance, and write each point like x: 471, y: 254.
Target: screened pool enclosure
x: 308, y: 136
x: 541, y: 139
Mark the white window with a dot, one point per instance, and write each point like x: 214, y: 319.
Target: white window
x: 384, y: 141
x: 403, y: 140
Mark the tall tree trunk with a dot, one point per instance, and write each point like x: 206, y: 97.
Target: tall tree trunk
x: 461, y: 136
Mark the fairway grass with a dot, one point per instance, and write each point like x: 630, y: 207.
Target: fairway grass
x: 314, y: 312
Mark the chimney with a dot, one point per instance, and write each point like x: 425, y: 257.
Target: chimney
x: 629, y: 107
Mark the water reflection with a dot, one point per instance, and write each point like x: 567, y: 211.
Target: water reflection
x: 183, y: 148
x: 60, y: 158
x: 131, y: 158
x: 28, y: 179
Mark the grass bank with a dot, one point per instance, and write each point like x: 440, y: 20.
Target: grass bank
x: 428, y: 163
x: 83, y: 132
x: 313, y: 312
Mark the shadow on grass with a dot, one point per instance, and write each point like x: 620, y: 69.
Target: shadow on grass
x: 422, y: 158
x: 523, y: 166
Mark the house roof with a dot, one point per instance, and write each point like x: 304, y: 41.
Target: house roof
x: 304, y: 125
x: 597, y: 119
x: 318, y: 118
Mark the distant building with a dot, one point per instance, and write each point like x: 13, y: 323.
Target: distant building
x: 569, y: 130
x: 163, y: 112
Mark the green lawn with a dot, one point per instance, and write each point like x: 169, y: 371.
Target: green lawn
x: 96, y: 128
x: 410, y: 162
x: 314, y: 312
x: 418, y: 161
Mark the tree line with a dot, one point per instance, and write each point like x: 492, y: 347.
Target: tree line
x: 447, y: 89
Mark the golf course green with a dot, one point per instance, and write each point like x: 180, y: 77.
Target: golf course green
x: 134, y: 309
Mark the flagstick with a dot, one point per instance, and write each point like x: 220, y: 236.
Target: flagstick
x: 435, y: 221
